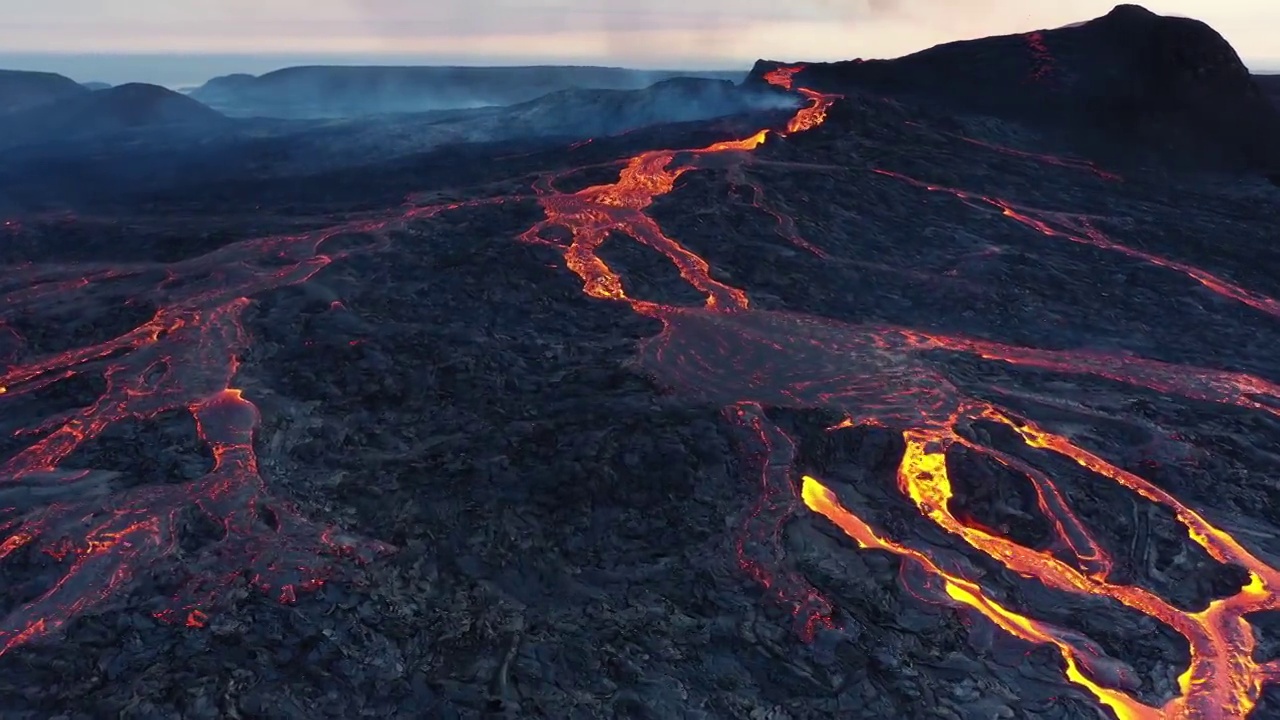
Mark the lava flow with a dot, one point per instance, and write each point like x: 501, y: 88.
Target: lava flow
x: 879, y: 375
x: 185, y: 358
x: 747, y: 360
x: 1042, y: 64
x: 726, y: 352
x: 813, y: 114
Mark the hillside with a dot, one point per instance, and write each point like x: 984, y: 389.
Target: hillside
x: 275, y: 148
x: 21, y: 89
x: 1270, y: 85
x: 351, y: 91
x: 1169, y: 87
x: 133, y: 106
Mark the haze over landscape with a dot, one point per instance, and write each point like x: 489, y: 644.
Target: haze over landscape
x: 583, y: 361
x: 98, y: 41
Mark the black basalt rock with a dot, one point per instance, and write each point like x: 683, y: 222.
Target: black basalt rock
x: 1161, y: 89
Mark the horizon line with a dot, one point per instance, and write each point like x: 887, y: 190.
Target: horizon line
x: 525, y: 61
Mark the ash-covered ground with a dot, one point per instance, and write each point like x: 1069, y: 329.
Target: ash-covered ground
x: 534, y: 502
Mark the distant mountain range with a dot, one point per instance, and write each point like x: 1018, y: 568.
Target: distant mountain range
x: 44, y: 108
x: 349, y: 91
x: 20, y: 89
x: 1171, y: 88
x: 73, y: 112
x: 100, y: 146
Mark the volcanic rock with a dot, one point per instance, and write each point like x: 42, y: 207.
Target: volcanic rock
x: 1270, y: 85
x: 1169, y: 86
x: 591, y: 113
x: 880, y: 419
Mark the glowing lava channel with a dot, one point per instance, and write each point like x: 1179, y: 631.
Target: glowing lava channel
x: 1222, y: 679
x: 881, y: 375
x: 748, y: 359
x: 184, y: 358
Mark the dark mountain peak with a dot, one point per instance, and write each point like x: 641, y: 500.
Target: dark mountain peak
x: 1128, y: 12
x: 694, y: 83
x: 227, y: 82
x: 140, y: 89
x: 1177, y: 47
x: 22, y: 89
x: 121, y: 108
x: 1130, y: 40
x: 137, y: 92
x: 136, y: 104
x: 1159, y: 84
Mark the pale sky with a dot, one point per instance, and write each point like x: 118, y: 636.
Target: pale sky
x: 645, y: 33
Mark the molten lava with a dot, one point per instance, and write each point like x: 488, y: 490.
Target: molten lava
x: 749, y: 359
x: 813, y: 114
x: 185, y: 358
x: 744, y: 359
x: 1042, y: 64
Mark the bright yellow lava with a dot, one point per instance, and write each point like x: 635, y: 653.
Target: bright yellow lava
x: 1222, y: 680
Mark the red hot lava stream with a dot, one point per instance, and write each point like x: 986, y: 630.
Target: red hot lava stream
x: 748, y: 359
x: 185, y: 358
x: 725, y: 351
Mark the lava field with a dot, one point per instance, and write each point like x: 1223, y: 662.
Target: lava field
x: 861, y: 410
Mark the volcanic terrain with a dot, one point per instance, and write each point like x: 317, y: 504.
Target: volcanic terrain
x: 340, y: 91
x: 902, y: 404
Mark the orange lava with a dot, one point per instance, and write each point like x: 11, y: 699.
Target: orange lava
x: 744, y: 359
x: 747, y: 359
x: 591, y: 214
x: 185, y: 358
x: 813, y: 114
x: 881, y: 375
x: 1042, y: 64
x: 783, y: 76
x: 1222, y: 679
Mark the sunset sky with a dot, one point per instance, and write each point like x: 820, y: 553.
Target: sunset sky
x: 654, y: 33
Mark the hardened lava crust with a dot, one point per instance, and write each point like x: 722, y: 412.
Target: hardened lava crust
x: 861, y: 409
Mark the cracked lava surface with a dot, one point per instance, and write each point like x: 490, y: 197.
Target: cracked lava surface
x: 185, y: 358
